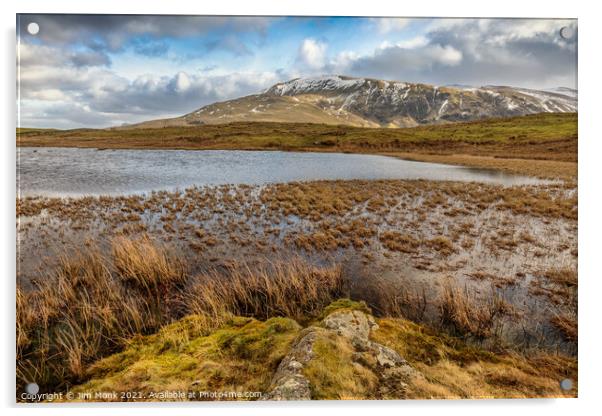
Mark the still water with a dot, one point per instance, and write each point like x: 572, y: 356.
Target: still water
x: 76, y: 172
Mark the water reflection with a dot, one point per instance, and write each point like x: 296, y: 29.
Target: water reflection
x: 75, y: 172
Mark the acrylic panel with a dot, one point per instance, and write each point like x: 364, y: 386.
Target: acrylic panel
x: 295, y: 208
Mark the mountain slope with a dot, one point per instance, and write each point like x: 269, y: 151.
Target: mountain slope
x: 375, y: 103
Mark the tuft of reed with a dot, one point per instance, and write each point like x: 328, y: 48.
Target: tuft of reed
x: 294, y: 289
x: 470, y: 316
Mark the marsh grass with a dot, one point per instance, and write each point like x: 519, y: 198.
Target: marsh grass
x: 87, y: 308
x: 470, y: 316
x: 294, y: 289
x: 95, y: 304
x: 452, y: 368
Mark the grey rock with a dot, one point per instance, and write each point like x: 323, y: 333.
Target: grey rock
x: 393, y: 372
x: 288, y: 382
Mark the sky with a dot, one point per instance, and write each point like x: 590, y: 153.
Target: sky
x: 108, y: 70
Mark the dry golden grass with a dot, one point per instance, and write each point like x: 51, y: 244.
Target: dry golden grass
x: 292, y: 288
x: 452, y: 369
x: 94, y: 304
x: 87, y: 308
x: 470, y: 316
x: 562, y: 276
x: 566, y: 323
x: 147, y: 265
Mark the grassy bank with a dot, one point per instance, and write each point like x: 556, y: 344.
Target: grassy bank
x: 550, y: 137
x: 161, y: 327
x: 242, y: 354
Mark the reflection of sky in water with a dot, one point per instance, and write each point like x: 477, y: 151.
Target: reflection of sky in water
x: 71, y: 171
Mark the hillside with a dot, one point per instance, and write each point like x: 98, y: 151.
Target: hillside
x: 367, y: 102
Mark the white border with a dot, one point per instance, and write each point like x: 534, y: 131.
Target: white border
x: 590, y: 139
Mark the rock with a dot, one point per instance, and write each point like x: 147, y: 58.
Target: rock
x: 288, y: 382
x: 354, y: 325
x: 293, y: 387
x: 386, y: 357
x: 393, y: 372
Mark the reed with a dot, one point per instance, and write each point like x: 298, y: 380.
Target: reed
x: 93, y: 304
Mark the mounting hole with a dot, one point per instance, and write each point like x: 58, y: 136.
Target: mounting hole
x: 32, y: 388
x: 33, y: 28
x: 566, y: 384
x: 567, y: 32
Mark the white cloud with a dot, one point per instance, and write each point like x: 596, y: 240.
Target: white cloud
x: 447, y: 55
x: 416, y: 42
x: 312, y: 54
x: 390, y: 24
x: 182, y: 82
x: 519, y: 52
x: 70, y: 96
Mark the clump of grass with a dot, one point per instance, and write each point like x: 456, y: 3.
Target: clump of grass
x: 345, y: 304
x: 94, y: 304
x: 74, y: 315
x: 147, y: 265
x: 562, y: 276
x: 470, y: 316
x: 391, y: 298
x: 566, y: 323
x: 442, y: 244
x: 396, y: 241
x: 294, y: 289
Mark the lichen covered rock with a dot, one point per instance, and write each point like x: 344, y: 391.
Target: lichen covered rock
x: 337, y: 360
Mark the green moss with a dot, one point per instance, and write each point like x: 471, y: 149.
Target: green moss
x: 451, y: 368
x: 345, y: 304
x: 239, y: 356
x: 243, y: 354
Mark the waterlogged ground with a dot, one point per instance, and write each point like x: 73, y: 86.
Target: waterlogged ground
x: 518, y: 242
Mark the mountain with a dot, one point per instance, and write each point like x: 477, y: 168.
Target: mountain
x: 376, y: 103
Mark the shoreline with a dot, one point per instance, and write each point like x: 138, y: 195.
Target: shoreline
x: 537, y: 168
x: 542, y: 145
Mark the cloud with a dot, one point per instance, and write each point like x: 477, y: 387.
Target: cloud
x: 90, y: 58
x: 112, y: 33
x: 509, y: 51
x: 89, y: 96
x: 385, y: 25
x: 311, y: 54
x: 518, y: 52
x: 66, y: 76
x: 230, y: 43
x: 408, y: 64
x: 39, y: 55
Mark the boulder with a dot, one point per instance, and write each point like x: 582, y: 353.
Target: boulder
x: 392, y: 371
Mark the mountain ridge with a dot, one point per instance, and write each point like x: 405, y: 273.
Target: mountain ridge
x: 368, y: 102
